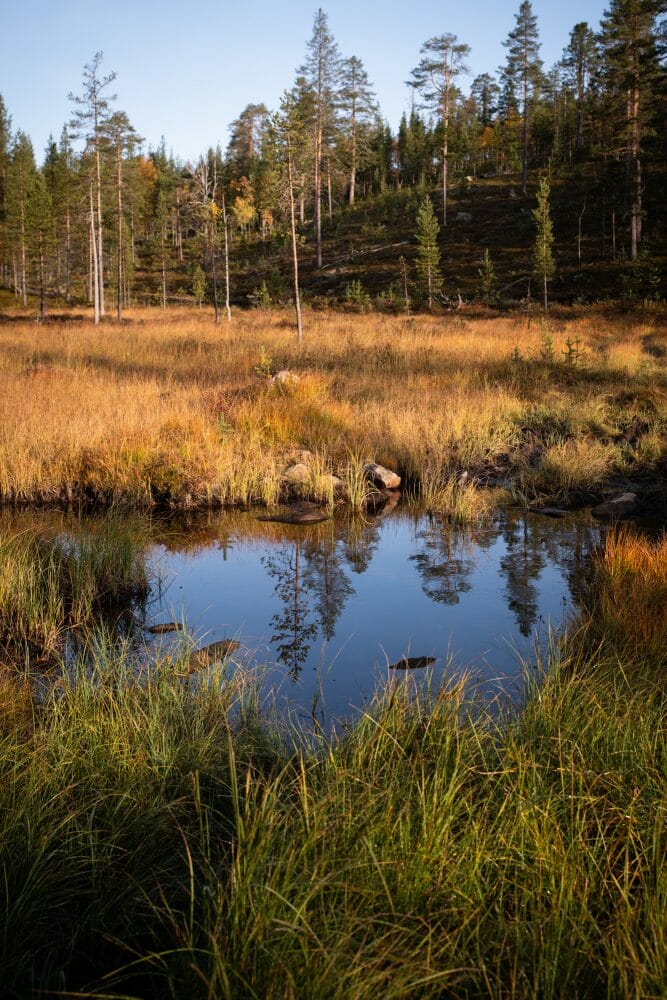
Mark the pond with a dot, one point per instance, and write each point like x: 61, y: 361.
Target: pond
x: 326, y: 609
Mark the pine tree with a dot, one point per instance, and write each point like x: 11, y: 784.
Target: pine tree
x: 543, y: 261
x: 523, y: 73
x: 356, y: 101
x: 40, y: 232
x: 427, y: 263
x: 92, y: 111
x: 631, y: 68
x: 579, y: 62
x: 20, y: 179
x: 321, y: 73
x: 122, y: 139
x: 443, y: 59
x: 5, y: 147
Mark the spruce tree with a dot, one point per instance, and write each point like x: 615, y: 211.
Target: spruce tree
x: 631, y: 70
x: 40, y: 232
x: 427, y: 261
x: 543, y: 260
x: 523, y: 72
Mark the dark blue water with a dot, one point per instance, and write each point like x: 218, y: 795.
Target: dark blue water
x: 325, y: 609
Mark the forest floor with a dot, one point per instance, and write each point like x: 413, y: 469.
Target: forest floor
x: 169, y: 408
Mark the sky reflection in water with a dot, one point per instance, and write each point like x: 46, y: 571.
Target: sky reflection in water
x: 331, y: 605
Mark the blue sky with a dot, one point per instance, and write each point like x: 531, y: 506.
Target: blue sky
x: 186, y: 71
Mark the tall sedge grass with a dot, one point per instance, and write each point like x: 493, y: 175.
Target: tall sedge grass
x: 158, y: 840
x: 169, y: 408
x: 629, y: 600
x: 164, y: 836
x: 52, y: 584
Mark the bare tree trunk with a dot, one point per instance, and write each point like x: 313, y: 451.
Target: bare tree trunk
x: 226, y: 232
x: 635, y: 173
x: 295, y: 255
x: 99, y: 248
x: 119, y: 182
x: 581, y: 216
x: 353, y: 165
x: 329, y: 197
x: 24, y: 287
x: 68, y: 257
x: 95, y: 267
x: 164, y: 264
x: 317, y: 214
x: 524, y: 157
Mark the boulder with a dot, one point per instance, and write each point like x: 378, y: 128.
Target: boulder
x: 620, y: 506
x: 463, y: 217
x: 215, y: 652
x: 301, y: 456
x: 163, y: 628
x: 555, y: 512
x: 381, y: 477
x: 412, y: 662
x: 285, y: 377
x: 297, y: 474
x: 303, y: 512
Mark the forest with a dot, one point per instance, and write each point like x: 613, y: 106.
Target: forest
x: 323, y: 184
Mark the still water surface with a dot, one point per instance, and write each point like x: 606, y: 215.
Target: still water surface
x: 326, y: 608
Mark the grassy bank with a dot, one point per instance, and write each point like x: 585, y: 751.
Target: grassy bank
x: 169, y: 408
x: 160, y: 839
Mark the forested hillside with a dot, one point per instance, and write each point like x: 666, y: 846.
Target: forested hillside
x: 323, y: 185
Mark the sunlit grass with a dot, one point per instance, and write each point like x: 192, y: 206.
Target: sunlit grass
x: 169, y: 408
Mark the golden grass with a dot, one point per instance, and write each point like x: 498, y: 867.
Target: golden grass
x: 631, y: 593
x: 169, y: 406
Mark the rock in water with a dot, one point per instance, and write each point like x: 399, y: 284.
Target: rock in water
x: 620, y: 506
x: 412, y: 662
x: 384, y: 478
x: 215, y: 652
x: 162, y: 628
x: 548, y: 511
x: 303, y: 512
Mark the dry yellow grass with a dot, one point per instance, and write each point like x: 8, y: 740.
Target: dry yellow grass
x: 170, y: 406
x: 631, y: 593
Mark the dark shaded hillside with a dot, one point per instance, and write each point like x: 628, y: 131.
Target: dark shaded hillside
x: 365, y: 244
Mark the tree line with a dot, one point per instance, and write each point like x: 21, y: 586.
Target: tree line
x: 102, y: 217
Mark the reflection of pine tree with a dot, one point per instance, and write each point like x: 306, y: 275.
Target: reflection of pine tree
x: 326, y: 579
x: 361, y: 540
x: 443, y: 563
x: 522, y: 567
x: 294, y: 632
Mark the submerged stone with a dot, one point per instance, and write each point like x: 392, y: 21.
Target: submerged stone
x: 162, y: 628
x: 215, y: 652
x: 620, y: 506
x: 412, y: 662
x: 302, y: 512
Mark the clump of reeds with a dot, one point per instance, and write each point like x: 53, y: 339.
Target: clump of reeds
x: 51, y: 584
x: 164, y: 839
x: 629, y: 594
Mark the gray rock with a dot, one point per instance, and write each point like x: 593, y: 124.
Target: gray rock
x: 463, y: 217
x: 412, y: 662
x: 297, y: 474
x: 620, y: 506
x: 163, y: 628
x: 285, y: 377
x: 215, y: 652
x: 548, y: 511
x: 303, y: 512
x: 384, y: 478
